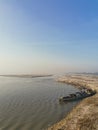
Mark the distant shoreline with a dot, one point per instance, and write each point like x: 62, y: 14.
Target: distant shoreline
x: 85, y: 115
x: 26, y: 76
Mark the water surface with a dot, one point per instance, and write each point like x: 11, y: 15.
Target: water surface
x: 32, y: 103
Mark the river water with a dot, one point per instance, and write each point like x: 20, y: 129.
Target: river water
x: 32, y: 103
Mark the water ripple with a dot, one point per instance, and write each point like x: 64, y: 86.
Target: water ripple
x: 31, y: 105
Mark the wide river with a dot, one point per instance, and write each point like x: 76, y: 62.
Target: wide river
x: 32, y: 103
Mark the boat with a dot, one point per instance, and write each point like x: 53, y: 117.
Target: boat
x: 78, y: 95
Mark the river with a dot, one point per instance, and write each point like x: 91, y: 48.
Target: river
x: 32, y: 103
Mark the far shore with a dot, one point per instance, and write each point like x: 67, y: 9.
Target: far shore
x: 85, y: 115
x: 26, y: 76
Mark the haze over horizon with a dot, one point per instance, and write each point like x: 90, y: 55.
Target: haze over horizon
x: 53, y: 36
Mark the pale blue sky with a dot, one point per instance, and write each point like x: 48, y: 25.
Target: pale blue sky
x: 48, y: 36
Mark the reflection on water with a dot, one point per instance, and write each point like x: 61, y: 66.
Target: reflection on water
x: 32, y: 103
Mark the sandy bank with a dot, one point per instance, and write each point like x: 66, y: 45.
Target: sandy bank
x: 85, y: 115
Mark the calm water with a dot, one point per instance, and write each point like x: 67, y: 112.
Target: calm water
x: 32, y: 103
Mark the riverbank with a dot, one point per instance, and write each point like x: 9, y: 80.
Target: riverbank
x: 85, y: 115
x: 26, y: 76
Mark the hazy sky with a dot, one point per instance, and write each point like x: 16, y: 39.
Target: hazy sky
x: 41, y: 36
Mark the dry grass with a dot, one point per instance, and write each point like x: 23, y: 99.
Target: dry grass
x: 85, y: 115
x: 88, y: 122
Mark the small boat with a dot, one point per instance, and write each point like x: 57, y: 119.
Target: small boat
x: 77, y: 96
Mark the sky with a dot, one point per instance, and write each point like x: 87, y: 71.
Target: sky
x: 48, y: 36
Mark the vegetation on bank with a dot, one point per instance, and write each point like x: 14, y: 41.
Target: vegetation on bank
x: 85, y: 115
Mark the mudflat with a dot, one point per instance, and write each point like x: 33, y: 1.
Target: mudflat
x: 85, y: 115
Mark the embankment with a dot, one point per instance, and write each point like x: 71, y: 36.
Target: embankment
x: 85, y: 115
